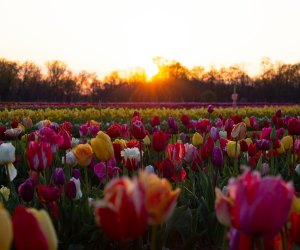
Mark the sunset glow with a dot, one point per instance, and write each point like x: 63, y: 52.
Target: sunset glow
x: 102, y: 36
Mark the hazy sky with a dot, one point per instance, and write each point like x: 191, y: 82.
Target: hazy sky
x: 104, y: 35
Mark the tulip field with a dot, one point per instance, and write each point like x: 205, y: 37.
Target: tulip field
x: 210, y: 177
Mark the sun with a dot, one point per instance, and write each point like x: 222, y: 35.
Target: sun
x: 151, y: 70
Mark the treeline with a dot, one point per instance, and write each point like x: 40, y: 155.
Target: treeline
x: 174, y: 82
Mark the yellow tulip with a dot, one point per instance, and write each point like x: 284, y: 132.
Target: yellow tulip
x: 160, y: 198
x: 197, y: 139
x: 287, y: 142
x: 281, y: 149
x: 46, y: 226
x: 147, y: 141
x: 247, y: 122
x: 233, y: 150
x: 5, y: 192
x: 122, y: 142
x: 6, y: 230
x: 249, y: 141
x: 102, y: 146
x: 83, y: 154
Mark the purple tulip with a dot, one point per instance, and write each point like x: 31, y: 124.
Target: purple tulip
x: 214, y: 133
x: 83, y: 131
x: 173, y: 125
x: 100, y: 168
x: 94, y: 130
x: 76, y: 173
x: 217, y: 157
x: 210, y: 109
x: 263, y: 144
x: 26, y: 190
x: 59, y: 176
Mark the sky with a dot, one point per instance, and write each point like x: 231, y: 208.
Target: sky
x: 105, y: 35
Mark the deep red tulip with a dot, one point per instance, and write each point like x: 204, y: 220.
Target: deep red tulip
x: 49, y: 193
x: 294, y: 126
x: 39, y: 155
x: 14, y: 123
x: 122, y: 213
x: 243, y: 145
x: 155, y: 121
x: 114, y: 131
x: 67, y: 126
x: 2, y: 134
x: 26, y: 190
x: 185, y: 120
x: 159, y: 141
x: 27, y: 231
x: 138, y: 129
x: 204, y: 126
x: 117, y: 151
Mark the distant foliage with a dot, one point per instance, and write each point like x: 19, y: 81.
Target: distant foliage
x: 27, y: 82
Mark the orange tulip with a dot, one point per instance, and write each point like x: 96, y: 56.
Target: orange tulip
x: 83, y: 154
x: 160, y: 199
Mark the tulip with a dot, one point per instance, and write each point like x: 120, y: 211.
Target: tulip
x: 7, y: 156
x: 266, y: 133
x: 122, y: 213
x: 247, y: 121
x: 210, y: 109
x: 131, y: 158
x: 155, y: 121
x: 217, y: 157
x: 204, y: 126
x: 160, y: 200
x: 70, y: 159
x: 27, y: 122
x: 73, y: 189
x: 287, y: 142
x: 76, y: 173
x: 185, y: 119
x: 41, y: 234
x: 147, y: 141
x: 167, y: 167
x: 59, y: 176
x: 114, y: 131
x: 66, y: 140
x: 159, y: 141
x: 55, y: 127
x: 138, y: 129
x: 259, y: 206
x: 48, y: 193
x: 176, y: 153
x: 83, y: 154
x: 294, y: 126
x: 229, y: 126
x: 190, y: 152
x: 233, y: 149
x: 197, y: 139
x: 263, y: 144
x: 239, y: 131
x: 173, y: 125
x: 13, y: 132
x: 222, y: 208
x: 297, y: 169
x: 5, y: 192
x: 6, y: 229
x: 94, y: 130
x: 48, y: 135
x: 244, y: 145
x: 150, y: 169
x: 100, y: 168
x: 83, y: 131
x: 214, y: 133
x: 67, y: 126
x: 102, y: 146
x: 26, y: 190
x: 2, y: 133
x: 125, y: 131
x: 39, y: 155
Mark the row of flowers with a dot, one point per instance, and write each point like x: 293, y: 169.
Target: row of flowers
x: 49, y: 168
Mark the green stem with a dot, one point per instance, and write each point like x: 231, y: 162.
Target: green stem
x: 153, y: 237
x: 236, y: 158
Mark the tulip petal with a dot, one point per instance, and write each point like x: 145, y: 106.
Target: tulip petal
x: 12, y: 171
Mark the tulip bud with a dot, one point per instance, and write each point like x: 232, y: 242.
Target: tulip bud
x: 239, y: 131
x: 197, y: 139
x: 5, y: 192
x: 217, y: 157
x: 26, y: 190
x: 102, y: 146
x: 59, y: 176
x: 210, y: 109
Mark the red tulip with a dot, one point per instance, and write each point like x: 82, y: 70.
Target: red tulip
x: 39, y: 155
x: 67, y: 126
x: 114, y: 131
x: 266, y: 133
x: 138, y: 129
x: 159, y: 141
x: 185, y: 120
x: 48, y: 194
x: 122, y: 213
x: 166, y: 167
x: 176, y: 153
x: 66, y: 140
x: 244, y: 146
x: 294, y: 126
x: 155, y: 121
x: 204, y: 126
x: 27, y: 232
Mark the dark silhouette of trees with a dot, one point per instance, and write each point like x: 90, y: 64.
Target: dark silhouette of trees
x: 277, y: 82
